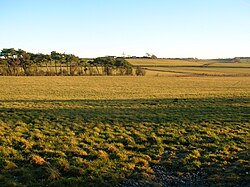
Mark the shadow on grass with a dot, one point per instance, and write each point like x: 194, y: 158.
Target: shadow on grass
x: 30, y: 127
x: 130, y: 111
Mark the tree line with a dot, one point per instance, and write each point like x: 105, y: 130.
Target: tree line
x: 21, y: 63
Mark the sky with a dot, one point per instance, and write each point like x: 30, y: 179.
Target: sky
x: 93, y: 28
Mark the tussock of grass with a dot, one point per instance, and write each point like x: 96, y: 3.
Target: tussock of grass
x: 37, y: 160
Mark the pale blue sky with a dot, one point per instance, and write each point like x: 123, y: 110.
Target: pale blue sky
x: 91, y: 28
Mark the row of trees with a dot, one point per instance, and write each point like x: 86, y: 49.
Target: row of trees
x: 20, y: 62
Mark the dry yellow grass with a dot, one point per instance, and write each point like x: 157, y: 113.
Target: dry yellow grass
x: 73, y: 88
x: 164, y: 62
x: 192, y: 71
x: 170, y: 62
x: 165, y: 72
x: 170, y: 68
x: 235, y: 65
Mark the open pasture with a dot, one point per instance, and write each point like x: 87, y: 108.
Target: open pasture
x: 92, y: 131
x: 163, y: 62
x: 170, y: 68
x: 198, y: 71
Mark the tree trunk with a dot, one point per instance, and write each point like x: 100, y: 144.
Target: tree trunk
x: 81, y: 70
x: 55, y: 67
x: 67, y: 68
x: 61, y: 72
x: 97, y: 70
x: 47, y: 68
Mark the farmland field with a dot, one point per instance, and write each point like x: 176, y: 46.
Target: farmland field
x: 125, y: 131
x: 220, y: 67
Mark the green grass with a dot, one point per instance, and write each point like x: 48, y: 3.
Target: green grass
x: 80, y: 139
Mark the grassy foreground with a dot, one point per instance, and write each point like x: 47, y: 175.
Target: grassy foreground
x: 91, y: 131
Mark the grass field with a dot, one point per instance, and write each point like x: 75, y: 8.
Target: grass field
x: 163, y: 62
x: 198, y: 71
x: 191, y: 62
x: 177, y: 68
x: 106, y: 131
